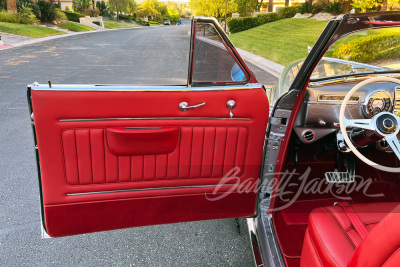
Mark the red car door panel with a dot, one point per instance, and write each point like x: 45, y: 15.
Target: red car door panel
x: 119, y: 157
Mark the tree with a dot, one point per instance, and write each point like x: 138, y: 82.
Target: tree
x: 271, y: 5
x: 119, y: 6
x: 210, y: 7
x: 150, y: 8
x: 247, y: 7
x: 367, y: 5
x: 244, y: 7
x: 82, y: 5
x: 11, y: 6
x: 391, y: 4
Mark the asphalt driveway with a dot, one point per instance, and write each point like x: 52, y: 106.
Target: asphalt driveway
x: 156, y: 55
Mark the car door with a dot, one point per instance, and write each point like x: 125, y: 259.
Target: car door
x: 119, y: 156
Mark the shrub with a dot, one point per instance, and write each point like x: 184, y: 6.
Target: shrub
x: 316, y: 8
x: 60, y: 16
x: 28, y: 3
x: 47, y: 11
x: 287, y: 12
x: 334, y: 8
x: 73, y: 16
x: 304, y: 8
x: 383, y: 45
x: 126, y: 17
x: 242, y: 24
x: 26, y: 16
x: 307, y: 8
x: 143, y: 23
x: 245, y: 23
x: 92, y: 12
x: 9, y: 17
x: 265, y: 18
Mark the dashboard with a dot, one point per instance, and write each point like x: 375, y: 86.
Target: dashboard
x: 319, y: 113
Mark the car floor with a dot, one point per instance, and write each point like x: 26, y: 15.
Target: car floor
x: 302, y: 194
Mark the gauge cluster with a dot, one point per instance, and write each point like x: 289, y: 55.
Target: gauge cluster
x: 378, y: 102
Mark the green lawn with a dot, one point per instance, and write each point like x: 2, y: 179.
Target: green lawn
x: 27, y: 30
x: 282, y: 41
x: 75, y: 27
x: 111, y: 24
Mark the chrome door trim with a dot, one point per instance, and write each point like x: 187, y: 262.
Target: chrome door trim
x: 145, y: 189
x: 158, y: 118
x: 140, y: 88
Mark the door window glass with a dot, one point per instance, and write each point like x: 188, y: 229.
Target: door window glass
x: 212, y: 62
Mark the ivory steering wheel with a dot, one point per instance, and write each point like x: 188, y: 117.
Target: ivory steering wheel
x: 385, y: 124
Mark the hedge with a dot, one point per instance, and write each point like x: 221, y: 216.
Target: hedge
x: 383, y: 45
x: 126, y: 17
x: 287, y: 12
x: 73, y: 16
x: 245, y: 23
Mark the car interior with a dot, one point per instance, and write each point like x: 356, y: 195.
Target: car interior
x: 324, y: 222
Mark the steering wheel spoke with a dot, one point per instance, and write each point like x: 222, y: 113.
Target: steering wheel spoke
x: 359, y: 123
x: 394, y: 145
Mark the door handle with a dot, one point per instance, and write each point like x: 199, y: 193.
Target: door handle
x: 183, y: 106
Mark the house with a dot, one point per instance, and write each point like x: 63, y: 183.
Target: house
x: 66, y: 5
x: 274, y: 5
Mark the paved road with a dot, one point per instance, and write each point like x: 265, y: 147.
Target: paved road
x: 145, y: 56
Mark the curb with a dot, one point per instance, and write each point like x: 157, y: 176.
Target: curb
x: 6, y: 46
x: 269, y: 66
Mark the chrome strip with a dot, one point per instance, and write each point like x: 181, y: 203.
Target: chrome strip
x: 144, y: 189
x: 159, y: 118
x: 140, y: 88
x: 337, y: 98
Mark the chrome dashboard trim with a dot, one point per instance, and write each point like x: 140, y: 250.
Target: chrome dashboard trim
x: 339, y: 98
x: 144, y: 189
x: 155, y: 118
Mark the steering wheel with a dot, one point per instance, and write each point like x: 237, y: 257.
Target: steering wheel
x: 384, y: 124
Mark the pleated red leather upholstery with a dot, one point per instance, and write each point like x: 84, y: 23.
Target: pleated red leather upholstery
x: 202, y: 152
x: 331, y: 240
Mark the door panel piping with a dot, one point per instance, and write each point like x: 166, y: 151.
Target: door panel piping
x: 145, y: 189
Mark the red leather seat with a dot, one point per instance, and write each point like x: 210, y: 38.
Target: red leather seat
x: 331, y: 240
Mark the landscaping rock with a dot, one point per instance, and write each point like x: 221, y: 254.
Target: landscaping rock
x: 323, y: 16
x: 302, y: 16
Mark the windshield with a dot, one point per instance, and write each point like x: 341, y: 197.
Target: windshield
x: 363, y: 51
x: 357, y: 53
